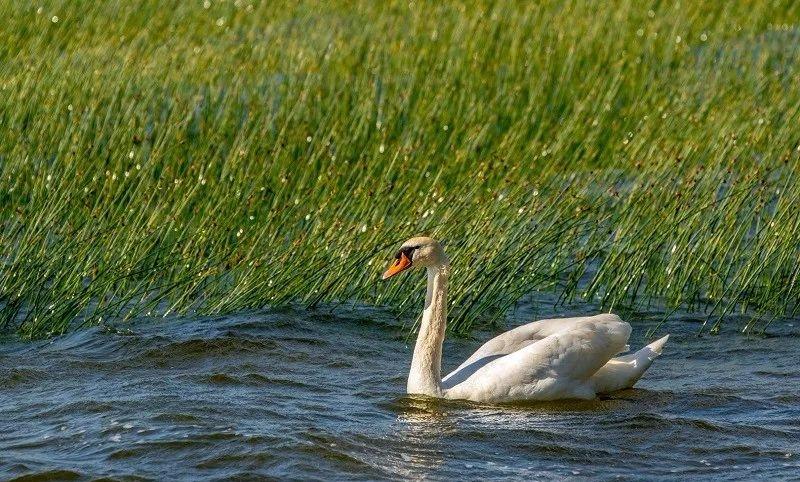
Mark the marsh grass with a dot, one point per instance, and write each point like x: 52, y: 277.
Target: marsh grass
x: 167, y: 157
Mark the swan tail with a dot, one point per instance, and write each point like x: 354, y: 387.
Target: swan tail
x: 658, y: 345
x: 625, y: 371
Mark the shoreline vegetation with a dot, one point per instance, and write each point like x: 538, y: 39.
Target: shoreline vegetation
x: 171, y: 157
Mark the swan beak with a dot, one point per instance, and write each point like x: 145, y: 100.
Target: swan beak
x: 400, y: 264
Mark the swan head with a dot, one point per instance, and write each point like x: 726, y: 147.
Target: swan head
x: 418, y: 252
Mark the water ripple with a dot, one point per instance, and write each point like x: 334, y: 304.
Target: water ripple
x: 294, y: 394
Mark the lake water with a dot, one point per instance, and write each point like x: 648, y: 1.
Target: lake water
x: 305, y: 395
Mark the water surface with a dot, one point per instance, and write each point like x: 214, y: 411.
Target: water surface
x: 312, y: 395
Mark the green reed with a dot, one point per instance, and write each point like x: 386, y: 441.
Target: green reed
x: 171, y: 157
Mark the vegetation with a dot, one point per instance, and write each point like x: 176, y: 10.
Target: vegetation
x: 162, y: 157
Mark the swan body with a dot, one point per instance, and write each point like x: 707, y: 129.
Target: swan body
x: 544, y: 360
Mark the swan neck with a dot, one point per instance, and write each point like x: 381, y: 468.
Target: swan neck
x: 425, y: 377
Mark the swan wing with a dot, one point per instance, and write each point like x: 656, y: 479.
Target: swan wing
x: 556, y: 366
x: 518, y: 338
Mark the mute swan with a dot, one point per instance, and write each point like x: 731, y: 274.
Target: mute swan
x: 543, y: 360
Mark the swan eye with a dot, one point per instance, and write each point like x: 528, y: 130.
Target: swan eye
x: 408, y: 251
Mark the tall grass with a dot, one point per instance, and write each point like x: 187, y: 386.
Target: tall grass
x: 162, y: 157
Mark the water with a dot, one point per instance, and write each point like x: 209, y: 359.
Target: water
x: 301, y: 395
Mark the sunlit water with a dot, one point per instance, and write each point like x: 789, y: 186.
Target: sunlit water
x: 310, y: 395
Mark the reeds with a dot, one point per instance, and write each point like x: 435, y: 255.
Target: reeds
x: 173, y: 157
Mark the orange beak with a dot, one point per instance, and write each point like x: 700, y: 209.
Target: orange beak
x: 400, y: 264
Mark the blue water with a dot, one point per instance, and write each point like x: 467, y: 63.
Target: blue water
x: 295, y: 394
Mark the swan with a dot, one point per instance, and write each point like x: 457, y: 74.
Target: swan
x: 545, y: 360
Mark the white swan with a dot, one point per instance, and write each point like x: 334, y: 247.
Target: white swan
x: 544, y: 360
